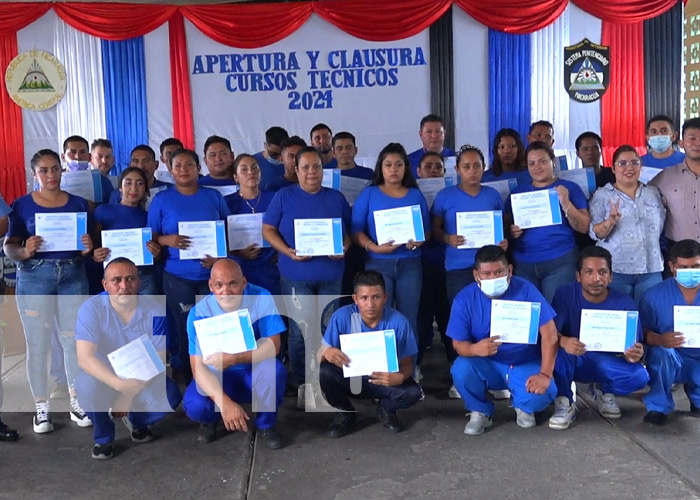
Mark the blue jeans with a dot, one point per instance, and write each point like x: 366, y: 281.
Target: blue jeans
x: 306, y: 308
x: 635, y: 285
x: 668, y: 366
x: 149, y: 283
x: 433, y: 305
x: 403, y: 279
x: 48, y: 289
x: 549, y: 275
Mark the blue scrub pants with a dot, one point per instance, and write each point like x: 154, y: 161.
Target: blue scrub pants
x: 668, y: 366
x: 264, y: 384
x: 473, y: 377
x: 614, y: 373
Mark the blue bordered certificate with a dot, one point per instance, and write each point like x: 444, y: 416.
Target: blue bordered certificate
x: 608, y: 331
x: 517, y: 322
x: 536, y: 208
x: 369, y: 352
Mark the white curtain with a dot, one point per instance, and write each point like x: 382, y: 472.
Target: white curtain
x: 82, y: 110
x: 158, y: 90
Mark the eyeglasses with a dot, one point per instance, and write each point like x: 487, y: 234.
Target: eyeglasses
x: 631, y: 163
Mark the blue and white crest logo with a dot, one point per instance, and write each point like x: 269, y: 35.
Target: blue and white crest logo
x: 586, y: 70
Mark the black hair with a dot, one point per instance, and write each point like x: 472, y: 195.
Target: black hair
x: 275, y: 136
x: 238, y: 160
x: 540, y: 146
x: 468, y: 148
x: 344, y: 135
x: 543, y: 123
x: 661, y: 118
x: 520, y: 164
x: 319, y: 126
x: 394, y: 148
x: 690, y: 123
x: 184, y: 151
x: 294, y: 140
x: 305, y: 150
x: 171, y: 141
x: 684, y: 249
x: 103, y: 143
x: 431, y: 153
x: 625, y: 148
x: 432, y: 118
x: 490, y: 253
x: 591, y: 252
x: 75, y: 138
x: 368, y: 278
x: 588, y: 135
x: 144, y: 147
x: 40, y: 154
x: 214, y: 139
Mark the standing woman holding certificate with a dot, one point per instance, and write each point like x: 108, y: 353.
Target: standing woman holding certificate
x: 183, y: 279
x: 546, y: 255
x: 393, y: 187
x: 49, y: 283
x: 627, y: 218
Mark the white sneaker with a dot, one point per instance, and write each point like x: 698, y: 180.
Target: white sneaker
x: 41, y: 422
x: 417, y: 374
x: 305, y: 397
x: 564, y: 414
x: 477, y: 423
x: 500, y: 394
x: 77, y: 414
x: 453, y: 393
x: 607, y: 404
x: 524, y: 419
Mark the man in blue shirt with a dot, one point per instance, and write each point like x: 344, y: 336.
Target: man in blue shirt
x: 221, y: 380
x: 432, y: 135
x: 395, y: 390
x: 609, y: 373
x: 6, y: 433
x: 321, y: 137
x: 344, y: 153
x: 661, y: 136
x: 143, y: 157
x: 288, y: 154
x: 484, y: 362
x: 107, y: 322
x: 270, y: 158
x: 218, y: 157
x: 669, y: 360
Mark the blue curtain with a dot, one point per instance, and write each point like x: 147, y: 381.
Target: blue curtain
x: 509, y: 83
x: 124, y: 70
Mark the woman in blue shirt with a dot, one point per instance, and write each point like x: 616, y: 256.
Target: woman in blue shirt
x: 393, y: 186
x: 546, y: 256
x: 129, y: 213
x: 508, y: 158
x: 183, y: 280
x: 49, y: 284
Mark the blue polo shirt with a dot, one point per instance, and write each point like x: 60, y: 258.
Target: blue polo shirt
x: 264, y: 316
x: 99, y: 324
x: 522, y: 177
x: 268, y: 171
x: 341, y: 324
x: 372, y: 199
x: 4, y: 207
x: 539, y: 244
x: 278, y: 183
x: 237, y: 205
x: 415, y: 156
x: 656, y: 310
x: 453, y: 199
x: 470, y: 319
x: 294, y: 203
x: 358, y: 172
x: 117, y: 216
x: 208, y: 180
x: 677, y: 157
x: 116, y: 196
x: 170, y: 207
x: 568, y: 302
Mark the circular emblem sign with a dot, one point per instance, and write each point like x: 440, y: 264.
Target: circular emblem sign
x: 35, y: 80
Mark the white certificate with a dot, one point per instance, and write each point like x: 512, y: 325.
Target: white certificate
x: 225, y: 190
x: 331, y: 178
x: 114, y: 179
x: 206, y: 238
x: 432, y: 186
x: 608, y: 331
x: 480, y: 228
x: 517, y: 322
x: 245, y: 230
x: 138, y: 360
x: 686, y: 320
x: 129, y: 243
x: 61, y: 232
x: 230, y: 333
x: 84, y: 183
x: 450, y: 164
x: 351, y: 187
x: 318, y: 237
x: 152, y: 192
x: 648, y: 173
x: 503, y: 187
x: 369, y: 352
x: 536, y: 208
x: 399, y: 225
x: 584, y: 177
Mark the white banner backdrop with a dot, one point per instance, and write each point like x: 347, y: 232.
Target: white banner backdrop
x: 377, y: 91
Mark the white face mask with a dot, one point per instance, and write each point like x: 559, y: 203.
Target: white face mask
x: 495, y: 287
x: 660, y: 143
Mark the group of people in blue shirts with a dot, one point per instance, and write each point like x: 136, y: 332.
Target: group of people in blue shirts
x: 436, y: 277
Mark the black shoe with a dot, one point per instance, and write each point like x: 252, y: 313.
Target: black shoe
x: 655, y: 418
x: 102, y: 451
x: 389, y: 419
x: 272, y: 439
x: 142, y: 436
x: 207, y: 433
x: 342, y: 424
x: 7, y: 434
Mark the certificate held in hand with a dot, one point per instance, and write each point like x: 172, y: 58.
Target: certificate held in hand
x: 230, y: 333
x: 369, y: 352
x: 318, y: 237
x: 399, y: 225
x: 504, y: 187
x: 517, y: 322
x: 206, y: 238
x: 129, y: 243
x: 480, y: 228
x: 608, y: 331
x: 61, y: 232
x: 136, y: 360
x: 536, y: 208
x: 245, y: 230
x: 686, y: 320
x: 84, y: 183
x: 331, y: 178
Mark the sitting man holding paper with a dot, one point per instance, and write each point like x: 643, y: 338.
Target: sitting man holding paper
x: 671, y: 320
x: 234, y: 338
x: 120, y: 340
x: 599, y: 340
x: 494, y: 328
x: 368, y: 353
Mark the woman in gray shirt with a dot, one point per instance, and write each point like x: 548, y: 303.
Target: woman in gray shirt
x: 627, y: 218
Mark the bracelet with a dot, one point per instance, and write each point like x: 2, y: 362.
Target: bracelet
x: 367, y: 245
x: 548, y: 376
x: 566, y: 211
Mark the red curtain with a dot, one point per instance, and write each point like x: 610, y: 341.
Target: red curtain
x: 626, y: 11
x: 183, y: 124
x: 516, y: 16
x: 15, y: 16
x: 622, y: 113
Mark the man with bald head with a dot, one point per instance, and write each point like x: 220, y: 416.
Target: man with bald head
x: 223, y: 381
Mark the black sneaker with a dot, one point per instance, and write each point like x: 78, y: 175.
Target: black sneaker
x: 342, y: 424
x: 273, y: 440
x: 7, y: 434
x: 102, y: 451
x: 389, y: 419
x: 207, y: 433
x: 142, y: 435
x: 655, y: 418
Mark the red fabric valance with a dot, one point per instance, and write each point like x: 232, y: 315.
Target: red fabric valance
x: 15, y: 16
x: 514, y: 16
x: 625, y: 11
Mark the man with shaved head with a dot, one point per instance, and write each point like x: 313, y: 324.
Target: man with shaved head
x: 223, y: 381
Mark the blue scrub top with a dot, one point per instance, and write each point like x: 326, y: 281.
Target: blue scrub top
x: 415, y: 156
x: 268, y: 171
x: 677, y: 157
